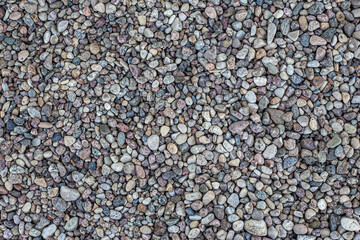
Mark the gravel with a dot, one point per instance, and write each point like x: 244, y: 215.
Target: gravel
x: 179, y: 119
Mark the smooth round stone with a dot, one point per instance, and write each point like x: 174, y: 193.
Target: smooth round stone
x: 169, y: 79
x: 115, y: 89
x: 350, y: 224
x: 49, y: 231
x: 270, y: 152
x: 322, y: 204
x: 104, y: 129
x: 69, y: 194
x: 260, y: 81
x: 72, y: 224
x: 23, y: 55
x: 153, y: 142
x: 208, y: 197
x: 62, y: 25
x: 238, y: 226
x: 250, y: 97
x: 59, y: 204
x: 300, y: 229
x: 10, y: 125
x: 69, y: 141
x: 210, y: 12
x: 257, y: 228
x: 194, y: 233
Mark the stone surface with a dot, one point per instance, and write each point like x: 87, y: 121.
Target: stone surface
x: 179, y: 119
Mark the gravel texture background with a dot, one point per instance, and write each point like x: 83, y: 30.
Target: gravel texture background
x: 181, y: 119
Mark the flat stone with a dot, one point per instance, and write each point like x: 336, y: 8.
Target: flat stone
x: 195, y: 232
x: 34, y: 113
x: 193, y: 196
x: 121, y: 139
x: 271, y: 32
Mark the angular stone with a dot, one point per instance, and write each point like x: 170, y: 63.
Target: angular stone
x: 69, y: 141
x: 276, y: 115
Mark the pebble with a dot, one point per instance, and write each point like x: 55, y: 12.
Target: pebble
x: 350, y: 224
x: 255, y: 227
x: 59, y: 204
x: 49, y: 231
x: 210, y: 12
x: 289, y: 162
x: 69, y: 194
x: 69, y: 140
x: 234, y: 200
x: 23, y: 55
x: 300, y: 229
x: 153, y: 142
x: 72, y: 224
x: 62, y: 25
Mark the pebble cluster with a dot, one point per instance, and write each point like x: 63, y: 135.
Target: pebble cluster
x: 181, y: 119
